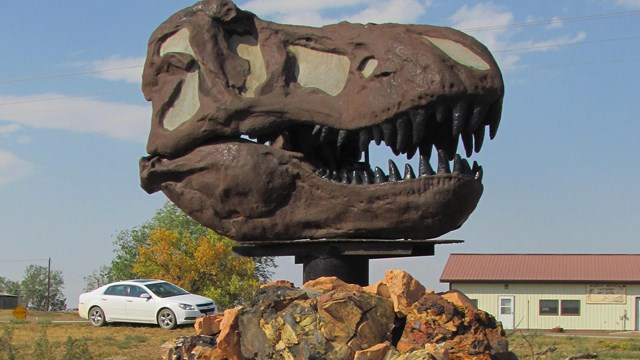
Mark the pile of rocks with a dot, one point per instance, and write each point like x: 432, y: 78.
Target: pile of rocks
x: 394, y: 319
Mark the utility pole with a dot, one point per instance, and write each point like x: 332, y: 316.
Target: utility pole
x: 48, y: 286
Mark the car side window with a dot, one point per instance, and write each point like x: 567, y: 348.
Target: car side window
x: 116, y: 290
x: 136, y: 291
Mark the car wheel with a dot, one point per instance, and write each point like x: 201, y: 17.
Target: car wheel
x: 96, y: 316
x: 167, y: 319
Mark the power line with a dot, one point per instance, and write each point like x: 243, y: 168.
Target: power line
x: 556, y: 20
x: 56, y: 98
x: 22, y: 260
x: 566, y: 44
x: 59, y: 75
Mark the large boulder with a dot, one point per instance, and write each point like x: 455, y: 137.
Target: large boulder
x: 327, y: 318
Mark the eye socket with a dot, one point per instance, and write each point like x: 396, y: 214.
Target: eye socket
x: 459, y: 53
x: 368, y: 66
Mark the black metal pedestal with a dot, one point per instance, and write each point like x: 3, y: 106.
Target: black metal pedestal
x: 346, y: 259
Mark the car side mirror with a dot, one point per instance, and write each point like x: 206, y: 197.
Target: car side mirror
x: 145, y: 296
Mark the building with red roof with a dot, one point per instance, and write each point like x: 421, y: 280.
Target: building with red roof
x: 543, y: 291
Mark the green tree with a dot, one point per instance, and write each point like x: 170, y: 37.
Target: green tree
x: 128, y: 242
x: 97, y: 278
x: 206, y: 266
x: 34, y: 289
x: 9, y: 286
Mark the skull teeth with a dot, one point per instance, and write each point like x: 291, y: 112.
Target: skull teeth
x: 364, y: 176
x: 418, y: 130
x: 440, y: 126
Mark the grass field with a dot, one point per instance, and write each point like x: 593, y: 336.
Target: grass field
x: 115, y: 341
x: 132, y: 342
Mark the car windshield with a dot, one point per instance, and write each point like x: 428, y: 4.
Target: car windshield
x: 165, y: 289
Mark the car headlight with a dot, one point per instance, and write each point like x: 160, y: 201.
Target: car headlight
x: 186, y: 307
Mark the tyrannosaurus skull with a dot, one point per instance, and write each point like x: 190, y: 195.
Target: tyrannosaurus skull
x: 258, y: 128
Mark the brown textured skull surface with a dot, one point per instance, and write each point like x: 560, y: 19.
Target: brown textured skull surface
x: 314, y: 99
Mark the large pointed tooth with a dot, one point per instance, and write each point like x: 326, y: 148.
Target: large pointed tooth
x: 479, y: 174
x: 460, y: 165
x: 442, y: 114
x: 419, y: 121
x: 408, y: 172
x: 478, y: 138
x: 493, y: 117
x: 364, y: 139
x: 475, y: 167
x: 317, y: 130
x: 411, y: 151
x: 425, y: 150
x: 459, y: 115
x: 457, y: 164
x: 342, y: 136
x: 379, y: 176
x: 443, y: 163
x: 452, y: 147
x: 324, y: 134
x: 344, y: 176
x: 467, y: 141
x: 355, y: 178
x: 403, y: 126
x: 394, y: 173
x: 479, y: 112
x: 389, y: 133
x: 466, y: 169
x: 376, y: 131
x: 366, y: 179
x: 425, y: 168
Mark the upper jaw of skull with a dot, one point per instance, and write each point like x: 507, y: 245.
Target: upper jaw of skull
x: 261, y: 78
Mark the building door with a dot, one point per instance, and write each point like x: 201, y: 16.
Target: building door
x: 637, y: 313
x: 506, y: 311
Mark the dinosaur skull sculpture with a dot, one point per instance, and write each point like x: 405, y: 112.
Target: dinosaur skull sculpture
x: 314, y: 99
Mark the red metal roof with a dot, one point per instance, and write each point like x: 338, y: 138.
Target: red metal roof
x: 542, y: 268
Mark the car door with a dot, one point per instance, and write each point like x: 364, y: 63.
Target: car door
x: 140, y: 308
x: 113, y: 302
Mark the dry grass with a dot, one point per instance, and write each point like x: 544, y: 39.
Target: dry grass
x: 543, y: 346
x: 132, y: 342
x: 114, y: 341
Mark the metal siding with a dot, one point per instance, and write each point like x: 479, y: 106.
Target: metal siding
x: 527, y: 296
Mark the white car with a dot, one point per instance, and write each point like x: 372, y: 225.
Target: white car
x: 143, y: 301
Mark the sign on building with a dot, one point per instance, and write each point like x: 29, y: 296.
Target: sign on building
x: 606, y: 294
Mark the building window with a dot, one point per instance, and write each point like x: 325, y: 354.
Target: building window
x: 570, y: 307
x: 548, y: 307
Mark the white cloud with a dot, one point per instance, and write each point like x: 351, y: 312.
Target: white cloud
x: 83, y: 115
x: 633, y: 4
x: 6, y: 130
x: 115, y: 68
x: 311, y: 12
x: 398, y: 11
x: 13, y: 168
x: 493, y: 26
x: 556, y: 23
x: 279, y: 7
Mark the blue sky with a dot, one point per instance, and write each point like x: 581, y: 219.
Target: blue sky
x: 562, y: 176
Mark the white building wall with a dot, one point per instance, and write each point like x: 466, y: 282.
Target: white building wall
x: 527, y: 297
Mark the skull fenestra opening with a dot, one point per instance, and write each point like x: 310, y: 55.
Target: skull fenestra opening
x: 260, y: 131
